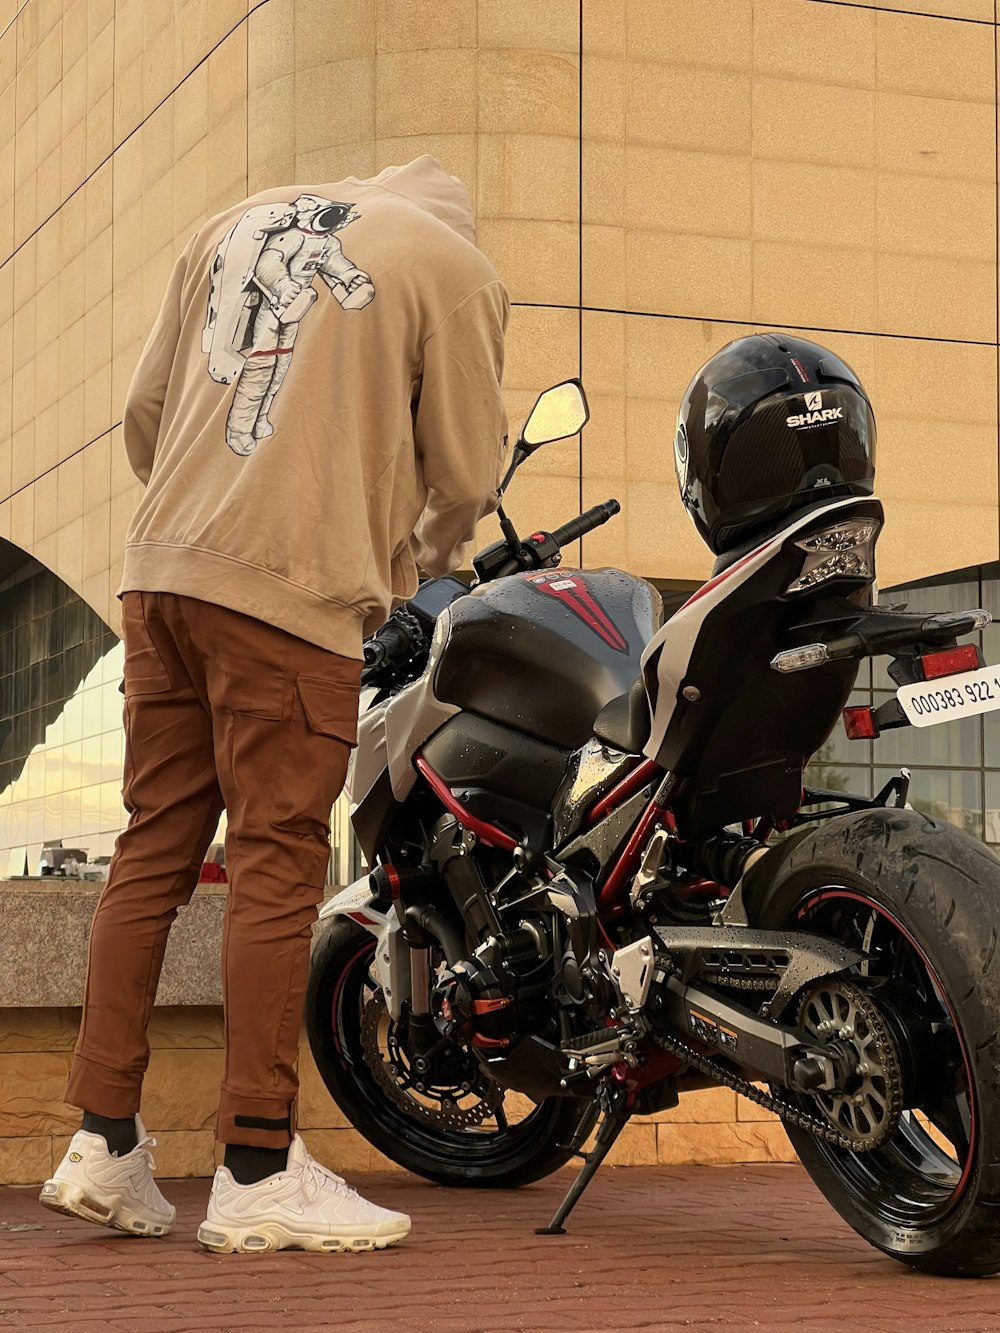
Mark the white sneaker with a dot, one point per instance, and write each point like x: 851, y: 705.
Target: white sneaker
x: 304, y: 1207
x: 114, y: 1191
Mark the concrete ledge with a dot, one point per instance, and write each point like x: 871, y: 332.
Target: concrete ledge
x: 45, y: 927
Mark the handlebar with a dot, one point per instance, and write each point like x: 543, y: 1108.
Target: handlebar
x: 587, y: 522
x: 395, y: 650
x: 392, y: 640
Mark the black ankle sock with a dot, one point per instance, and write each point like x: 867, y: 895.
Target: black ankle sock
x: 248, y: 1165
x: 119, y: 1135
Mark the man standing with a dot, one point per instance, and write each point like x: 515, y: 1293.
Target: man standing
x: 273, y: 535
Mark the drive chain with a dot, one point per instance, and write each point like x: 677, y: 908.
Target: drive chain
x: 791, y: 1115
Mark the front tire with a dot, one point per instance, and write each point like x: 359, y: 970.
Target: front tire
x: 500, y: 1153
x: 922, y: 901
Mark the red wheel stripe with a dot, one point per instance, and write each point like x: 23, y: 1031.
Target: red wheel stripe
x: 867, y: 902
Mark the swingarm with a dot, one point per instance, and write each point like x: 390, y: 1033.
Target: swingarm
x: 683, y: 999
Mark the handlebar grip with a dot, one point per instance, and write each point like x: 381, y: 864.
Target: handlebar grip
x: 389, y: 642
x: 590, y: 519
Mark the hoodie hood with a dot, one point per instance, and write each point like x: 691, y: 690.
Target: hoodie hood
x: 426, y: 183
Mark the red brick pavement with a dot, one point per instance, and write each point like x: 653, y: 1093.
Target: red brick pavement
x: 685, y: 1248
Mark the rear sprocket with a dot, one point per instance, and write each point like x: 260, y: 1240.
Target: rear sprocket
x: 867, y: 1112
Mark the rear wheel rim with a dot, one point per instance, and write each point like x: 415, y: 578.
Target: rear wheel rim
x: 920, y: 1175
x: 501, y: 1143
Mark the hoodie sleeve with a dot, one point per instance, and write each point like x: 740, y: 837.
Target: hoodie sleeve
x: 146, y: 393
x: 460, y: 427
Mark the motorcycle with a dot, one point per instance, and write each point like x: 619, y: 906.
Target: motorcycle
x: 598, y: 881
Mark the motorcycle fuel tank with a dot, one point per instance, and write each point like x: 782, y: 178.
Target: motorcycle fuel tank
x: 543, y: 653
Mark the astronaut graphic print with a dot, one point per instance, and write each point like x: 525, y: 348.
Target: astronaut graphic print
x: 263, y: 285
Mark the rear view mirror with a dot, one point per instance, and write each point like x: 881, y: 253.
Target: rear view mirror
x: 560, y: 412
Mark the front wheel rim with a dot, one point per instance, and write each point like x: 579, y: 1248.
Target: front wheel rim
x: 501, y: 1147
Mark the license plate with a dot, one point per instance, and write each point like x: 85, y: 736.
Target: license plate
x: 951, y: 697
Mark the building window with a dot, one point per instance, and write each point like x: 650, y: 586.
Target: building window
x: 954, y: 767
x: 61, y: 739
x: 62, y: 745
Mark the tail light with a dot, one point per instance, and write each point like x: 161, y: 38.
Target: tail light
x: 860, y: 724
x: 950, y: 661
x: 844, y: 551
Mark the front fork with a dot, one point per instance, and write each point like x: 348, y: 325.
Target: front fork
x: 403, y: 972
x: 423, y: 1033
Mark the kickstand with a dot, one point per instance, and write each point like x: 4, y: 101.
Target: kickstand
x: 616, y: 1116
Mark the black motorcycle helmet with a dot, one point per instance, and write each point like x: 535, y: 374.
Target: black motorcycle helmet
x: 771, y: 424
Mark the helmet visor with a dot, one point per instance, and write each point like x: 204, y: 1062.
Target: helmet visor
x: 727, y: 399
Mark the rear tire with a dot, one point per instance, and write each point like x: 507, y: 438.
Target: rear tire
x: 525, y: 1152
x: 931, y: 895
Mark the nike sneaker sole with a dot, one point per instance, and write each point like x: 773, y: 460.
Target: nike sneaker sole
x: 269, y: 1236
x: 109, y: 1211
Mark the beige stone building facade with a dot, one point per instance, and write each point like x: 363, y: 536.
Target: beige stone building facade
x: 651, y: 178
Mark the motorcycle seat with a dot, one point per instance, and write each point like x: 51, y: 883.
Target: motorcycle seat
x: 625, y: 722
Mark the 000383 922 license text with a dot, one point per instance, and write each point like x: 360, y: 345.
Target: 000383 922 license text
x: 962, y: 695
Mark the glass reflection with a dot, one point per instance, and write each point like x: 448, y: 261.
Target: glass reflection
x: 63, y: 791
x: 963, y: 595
x: 57, y: 661
x: 948, y: 745
x: 90, y: 760
x: 991, y: 830
x: 947, y: 761
x: 112, y: 751
x: 90, y: 712
x: 840, y: 777
x: 991, y: 732
x: 952, y: 795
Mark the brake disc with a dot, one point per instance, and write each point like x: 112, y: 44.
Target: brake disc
x: 866, y: 1115
x: 440, y: 1105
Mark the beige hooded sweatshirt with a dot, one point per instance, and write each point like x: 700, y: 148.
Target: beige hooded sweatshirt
x: 318, y: 410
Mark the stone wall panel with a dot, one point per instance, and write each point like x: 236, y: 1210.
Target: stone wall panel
x: 316, y: 1109
x: 25, y: 1160
x: 181, y: 1088
x: 635, y: 1147
x: 32, y: 1084
x: 186, y: 1027
x: 722, y: 1144
x: 47, y: 1030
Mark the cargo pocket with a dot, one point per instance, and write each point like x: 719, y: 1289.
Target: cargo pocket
x: 248, y: 686
x: 330, y: 707
x: 323, y: 729
x: 145, y: 672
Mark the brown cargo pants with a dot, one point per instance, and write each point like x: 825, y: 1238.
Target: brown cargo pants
x: 221, y: 710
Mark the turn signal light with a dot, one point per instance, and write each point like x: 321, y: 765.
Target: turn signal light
x: 801, y: 659
x: 952, y: 660
x: 860, y: 724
